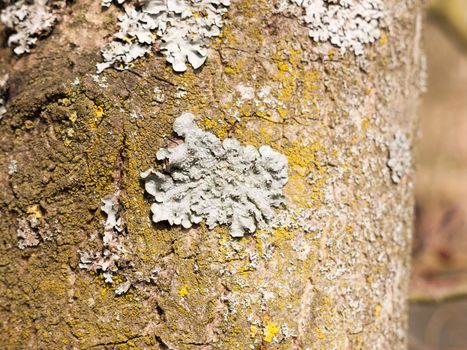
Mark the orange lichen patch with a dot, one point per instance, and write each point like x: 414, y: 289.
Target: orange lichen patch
x: 297, y: 190
x: 99, y: 112
x: 365, y: 124
x: 183, y: 291
x: 383, y: 40
x: 283, y: 66
x: 220, y: 127
x: 262, y: 132
x: 231, y: 70
x: 378, y: 310
x: 98, y: 116
x: 53, y: 285
x: 281, y: 235
x: 254, y: 330
x: 259, y: 245
x: 297, y: 83
x: 270, y: 332
x: 304, y: 163
x: 310, y: 82
x: 35, y: 211
x: 282, y: 112
x: 227, y: 36
x: 73, y: 117
x: 319, y: 333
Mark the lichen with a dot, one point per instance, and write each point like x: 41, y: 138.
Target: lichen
x: 347, y: 24
x: 123, y: 288
x: 3, y: 93
x: 184, y: 27
x: 12, y: 167
x: 270, y: 332
x: 27, y: 236
x: 222, y: 182
x: 30, y: 20
x: 106, y: 259
x: 400, y: 157
x: 32, y: 229
x: 183, y: 291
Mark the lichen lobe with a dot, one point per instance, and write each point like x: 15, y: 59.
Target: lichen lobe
x: 107, y: 259
x: 30, y: 20
x: 222, y: 182
x: 184, y: 28
x: 347, y: 24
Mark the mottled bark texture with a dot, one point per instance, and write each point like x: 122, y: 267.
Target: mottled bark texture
x: 332, y: 274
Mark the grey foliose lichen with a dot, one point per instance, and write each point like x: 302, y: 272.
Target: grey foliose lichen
x: 221, y: 182
x: 106, y: 259
x: 400, y: 157
x: 29, y: 20
x: 184, y: 28
x: 347, y: 24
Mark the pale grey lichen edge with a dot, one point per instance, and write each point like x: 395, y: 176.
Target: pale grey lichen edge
x: 221, y: 182
x: 347, y: 24
x: 106, y: 259
x: 30, y: 20
x: 184, y: 29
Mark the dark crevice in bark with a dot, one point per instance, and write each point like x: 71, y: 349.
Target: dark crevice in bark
x: 120, y: 164
x: 160, y: 311
x: 113, y: 344
x: 153, y: 76
x: 161, y: 343
x: 75, y: 336
x: 170, y: 252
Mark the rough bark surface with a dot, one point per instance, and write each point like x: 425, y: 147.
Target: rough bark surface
x: 333, y: 275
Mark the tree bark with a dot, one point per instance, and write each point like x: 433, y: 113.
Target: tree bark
x: 332, y: 275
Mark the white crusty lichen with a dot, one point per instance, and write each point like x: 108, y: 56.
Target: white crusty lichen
x: 27, y: 234
x: 347, y: 24
x: 3, y: 94
x: 221, y: 182
x: 184, y: 29
x: 12, y: 167
x: 107, y: 3
x: 29, y: 20
x: 400, y: 157
x: 32, y: 229
x: 106, y: 259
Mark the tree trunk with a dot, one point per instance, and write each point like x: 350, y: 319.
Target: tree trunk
x: 330, y: 272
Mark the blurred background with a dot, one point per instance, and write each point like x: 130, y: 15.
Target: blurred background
x: 438, y: 290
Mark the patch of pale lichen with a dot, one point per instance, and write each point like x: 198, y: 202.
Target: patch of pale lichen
x: 200, y: 269
x: 218, y: 115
